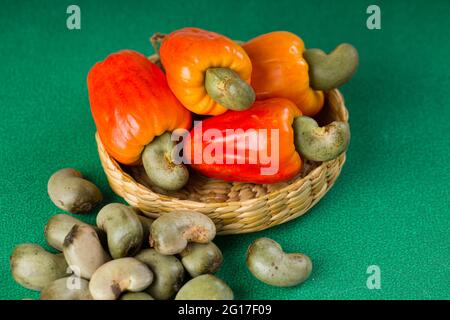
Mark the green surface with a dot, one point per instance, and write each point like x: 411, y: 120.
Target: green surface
x: 390, y: 206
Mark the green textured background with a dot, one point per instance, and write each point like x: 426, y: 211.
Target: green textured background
x: 390, y: 206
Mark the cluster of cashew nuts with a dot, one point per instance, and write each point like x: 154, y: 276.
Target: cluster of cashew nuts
x: 125, y: 256
x: 128, y: 256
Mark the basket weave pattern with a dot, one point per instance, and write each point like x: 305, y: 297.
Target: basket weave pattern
x: 234, y: 207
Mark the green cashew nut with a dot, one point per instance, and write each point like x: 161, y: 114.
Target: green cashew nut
x: 58, y: 226
x: 330, y: 71
x: 136, y: 296
x: 117, y: 276
x: 34, y: 268
x: 123, y: 229
x: 67, y: 289
x: 268, y: 263
x: 70, y: 192
x: 158, y: 160
x: 201, y: 258
x: 205, y: 287
x: 171, y: 232
x: 227, y: 88
x: 320, y: 143
x: 83, y: 250
x: 168, y: 272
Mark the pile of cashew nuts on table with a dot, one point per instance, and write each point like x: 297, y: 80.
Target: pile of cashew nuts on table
x: 128, y: 256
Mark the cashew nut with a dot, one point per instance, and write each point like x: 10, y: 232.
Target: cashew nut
x: 201, y: 258
x: 34, y: 268
x: 123, y: 229
x: 328, y: 71
x: 83, y: 250
x: 205, y: 287
x: 159, y: 165
x: 117, y: 276
x: 168, y: 272
x: 70, y: 192
x: 64, y: 289
x: 58, y: 226
x: 171, y: 232
x: 267, y: 262
x: 320, y: 143
x: 136, y: 296
x: 227, y: 88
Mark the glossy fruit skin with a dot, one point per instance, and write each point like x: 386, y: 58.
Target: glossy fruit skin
x: 131, y: 104
x: 186, y: 55
x: 276, y: 113
x: 279, y: 70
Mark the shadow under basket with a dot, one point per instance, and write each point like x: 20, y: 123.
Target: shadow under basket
x: 235, y: 207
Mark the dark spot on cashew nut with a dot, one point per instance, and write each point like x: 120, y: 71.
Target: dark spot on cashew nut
x: 115, y: 288
x: 68, y: 240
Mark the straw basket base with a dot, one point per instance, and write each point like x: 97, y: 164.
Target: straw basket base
x: 233, y: 206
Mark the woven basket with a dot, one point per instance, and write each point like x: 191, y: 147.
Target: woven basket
x: 234, y: 207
